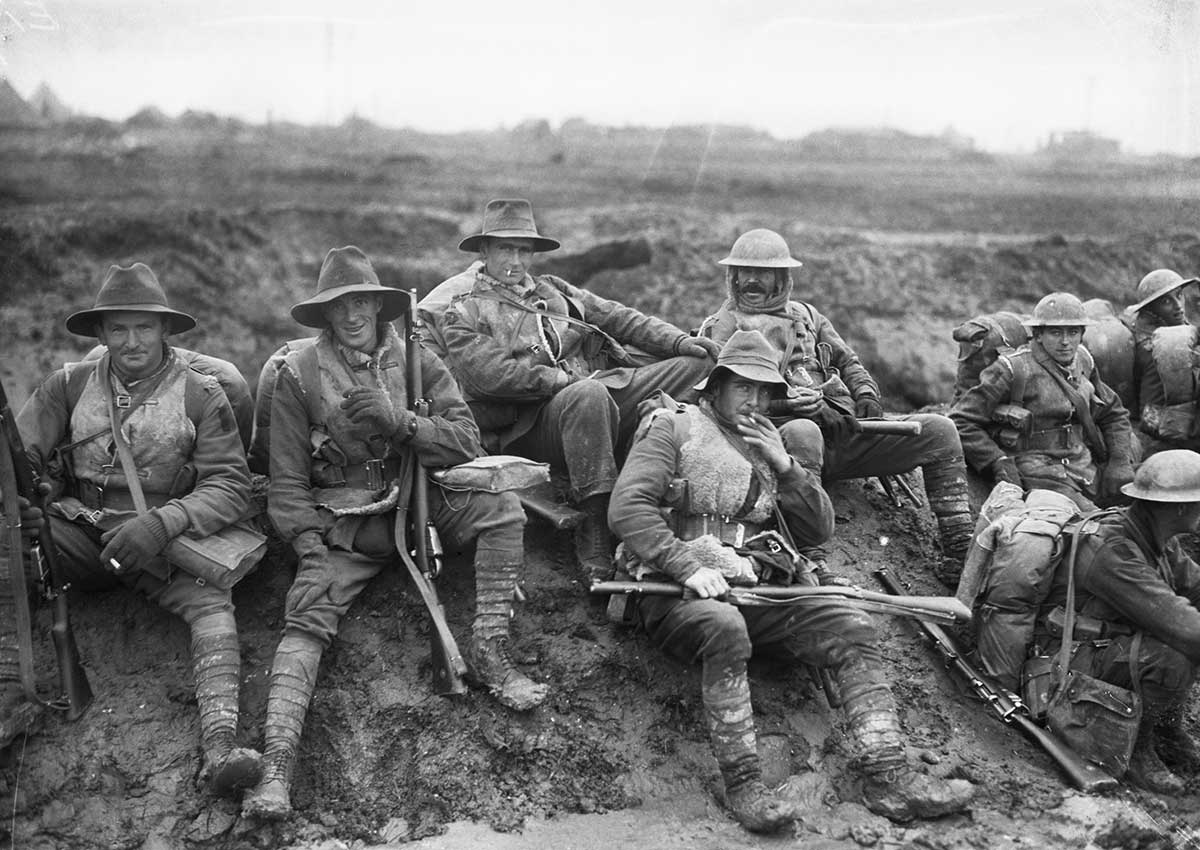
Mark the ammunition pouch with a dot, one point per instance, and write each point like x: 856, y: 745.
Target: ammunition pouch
x: 374, y: 474
x: 726, y: 529
x: 1086, y: 628
x: 1067, y: 438
x: 1013, y: 416
x: 97, y: 498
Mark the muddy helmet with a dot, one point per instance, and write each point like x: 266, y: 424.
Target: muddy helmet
x: 1170, y: 476
x: 1157, y: 284
x: 1059, y: 310
x: 761, y: 249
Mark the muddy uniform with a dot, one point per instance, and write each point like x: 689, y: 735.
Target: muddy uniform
x: 540, y: 380
x: 432, y: 308
x: 1052, y: 452
x: 320, y: 462
x: 815, y: 355
x: 1164, y: 386
x: 720, y: 481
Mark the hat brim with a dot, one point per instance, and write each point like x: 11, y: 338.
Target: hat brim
x: 311, y: 312
x: 87, y: 322
x: 541, y: 244
x: 789, y: 263
x: 1133, y: 491
x: 1085, y: 323
x: 758, y: 374
x: 1167, y: 291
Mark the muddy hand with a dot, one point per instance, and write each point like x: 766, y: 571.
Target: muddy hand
x: 372, y: 408
x: 707, y: 583
x: 758, y: 431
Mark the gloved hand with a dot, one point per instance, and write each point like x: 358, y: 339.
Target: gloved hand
x: 697, y: 346
x: 1117, y: 473
x: 134, y: 543
x: 1005, y: 469
x: 836, y: 427
x: 800, y: 403
x: 868, y: 407
x: 373, y: 409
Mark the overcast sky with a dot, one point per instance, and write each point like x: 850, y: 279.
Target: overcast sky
x: 1006, y: 72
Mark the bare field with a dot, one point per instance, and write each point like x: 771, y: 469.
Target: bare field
x: 236, y: 220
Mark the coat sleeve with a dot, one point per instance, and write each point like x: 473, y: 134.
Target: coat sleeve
x: 222, y: 489
x: 854, y: 374
x: 1112, y: 419
x: 972, y: 414
x: 45, y: 420
x: 1119, y: 576
x: 634, y: 512
x: 486, y: 369
x: 805, y: 506
x: 625, y: 324
x: 290, y: 504
x: 448, y: 436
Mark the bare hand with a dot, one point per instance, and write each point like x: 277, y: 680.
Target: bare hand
x: 707, y: 583
x: 372, y: 408
x: 759, y: 432
x: 803, y: 402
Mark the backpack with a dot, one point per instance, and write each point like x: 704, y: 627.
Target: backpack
x: 981, y: 341
x: 1015, y: 552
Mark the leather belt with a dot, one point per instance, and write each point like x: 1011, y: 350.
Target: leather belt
x: 1063, y: 437
x: 726, y: 529
x: 99, y: 498
x: 373, y: 474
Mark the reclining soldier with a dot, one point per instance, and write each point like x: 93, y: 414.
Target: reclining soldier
x: 1041, y: 417
x: 189, y: 458
x: 831, y: 390
x: 1133, y: 578
x: 1164, y: 387
x: 534, y: 358
x: 730, y: 460
x: 340, y: 434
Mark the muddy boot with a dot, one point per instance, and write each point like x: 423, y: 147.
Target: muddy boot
x: 489, y: 664
x: 216, y: 664
x: 1175, y: 745
x: 593, y: 540
x: 1146, y: 769
x: 890, y: 787
x: 293, y: 677
x: 730, y: 721
x: 946, y: 490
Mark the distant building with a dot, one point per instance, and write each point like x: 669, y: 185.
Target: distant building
x: 1080, y: 144
x: 884, y: 143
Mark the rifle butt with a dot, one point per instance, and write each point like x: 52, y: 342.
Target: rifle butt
x: 448, y: 667
x: 562, y: 517
x: 897, y: 427
x: 72, y: 677
x: 1083, y: 774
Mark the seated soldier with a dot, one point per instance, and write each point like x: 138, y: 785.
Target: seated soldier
x: 184, y: 443
x: 1041, y: 417
x: 1164, y: 386
x: 830, y: 388
x: 533, y: 357
x: 1133, y: 577
x: 730, y: 460
x: 340, y: 433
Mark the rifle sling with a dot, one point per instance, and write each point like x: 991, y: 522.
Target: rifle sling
x: 16, y: 568
x: 616, y: 349
x: 124, y: 454
x: 1082, y: 410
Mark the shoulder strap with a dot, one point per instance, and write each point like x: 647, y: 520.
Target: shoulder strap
x: 1020, y: 370
x: 193, y: 396
x: 308, y: 372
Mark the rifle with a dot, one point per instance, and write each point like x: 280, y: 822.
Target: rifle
x: 424, y: 561
x: 18, y: 478
x: 1008, y: 706
x: 937, y: 609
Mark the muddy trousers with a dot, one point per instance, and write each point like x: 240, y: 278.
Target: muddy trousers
x: 587, y: 426
x: 937, y: 451
x: 825, y: 633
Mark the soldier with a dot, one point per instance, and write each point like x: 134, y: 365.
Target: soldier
x: 1042, y: 417
x: 1164, y: 388
x: 533, y: 356
x: 340, y: 432
x: 831, y: 390
x: 185, y: 445
x: 731, y: 461
x: 18, y: 714
x: 1132, y: 575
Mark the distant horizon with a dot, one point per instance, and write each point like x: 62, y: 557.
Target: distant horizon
x: 1006, y: 74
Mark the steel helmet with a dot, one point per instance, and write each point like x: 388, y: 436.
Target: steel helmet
x: 761, y: 249
x: 1059, y: 310
x: 1170, y: 476
x: 1157, y: 284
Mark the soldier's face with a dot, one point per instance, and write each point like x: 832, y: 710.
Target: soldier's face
x: 754, y: 285
x: 1168, y: 308
x: 135, y: 341
x: 354, y: 319
x: 741, y: 397
x: 1060, y: 343
x: 507, y: 259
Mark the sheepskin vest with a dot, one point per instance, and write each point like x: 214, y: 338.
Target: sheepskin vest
x: 718, y: 475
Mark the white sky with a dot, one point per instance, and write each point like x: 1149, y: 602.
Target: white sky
x: 1006, y: 72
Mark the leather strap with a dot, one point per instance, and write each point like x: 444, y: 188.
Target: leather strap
x: 124, y: 454
x: 16, y: 568
x: 1082, y: 410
